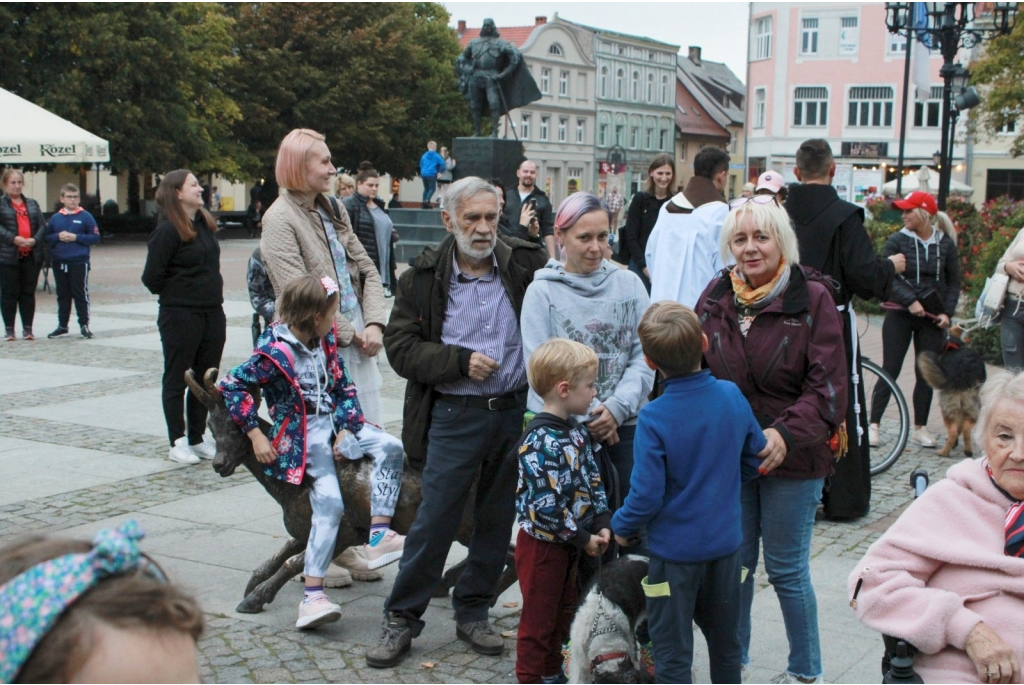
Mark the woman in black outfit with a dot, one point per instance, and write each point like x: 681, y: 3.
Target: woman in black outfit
x: 183, y: 268
x: 372, y: 225
x: 643, y: 213
x: 21, y: 254
x: 928, y: 293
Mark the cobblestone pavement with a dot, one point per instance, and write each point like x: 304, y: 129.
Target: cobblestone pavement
x: 49, y: 420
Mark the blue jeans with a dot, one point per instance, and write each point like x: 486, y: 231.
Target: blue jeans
x: 1011, y: 333
x: 429, y: 186
x: 779, y: 512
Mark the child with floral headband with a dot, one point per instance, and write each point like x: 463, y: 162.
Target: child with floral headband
x: 72, y: 611
x: 313, y: 405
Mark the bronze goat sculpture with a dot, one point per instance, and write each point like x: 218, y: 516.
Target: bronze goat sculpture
x: 234, y: 448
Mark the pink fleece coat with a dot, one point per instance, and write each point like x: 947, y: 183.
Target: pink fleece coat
x: 939, y: 570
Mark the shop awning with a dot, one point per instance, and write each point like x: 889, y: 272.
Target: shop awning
x: 33, y: 135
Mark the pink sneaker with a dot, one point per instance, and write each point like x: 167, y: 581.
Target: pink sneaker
x: 387, y: 551
x: 316, y: 611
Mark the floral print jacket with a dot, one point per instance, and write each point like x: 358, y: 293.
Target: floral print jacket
x: 272, y: 368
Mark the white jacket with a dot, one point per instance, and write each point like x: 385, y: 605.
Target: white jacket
x: 683, y: 251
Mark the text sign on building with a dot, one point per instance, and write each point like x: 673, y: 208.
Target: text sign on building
x: 865, y: 149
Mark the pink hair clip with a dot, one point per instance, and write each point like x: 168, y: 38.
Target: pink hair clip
x: 330, y: 285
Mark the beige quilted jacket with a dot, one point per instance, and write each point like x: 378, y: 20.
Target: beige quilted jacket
x: 294, y: 244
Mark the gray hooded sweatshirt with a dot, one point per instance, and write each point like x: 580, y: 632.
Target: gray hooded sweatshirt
x: 602, y: 310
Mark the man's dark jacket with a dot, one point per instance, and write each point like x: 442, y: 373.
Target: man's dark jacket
x: 413, y: 336
x: 833, y: 241
x: 545, y: 213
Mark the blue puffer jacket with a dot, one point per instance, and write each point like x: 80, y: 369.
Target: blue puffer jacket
x: 431, y: 163
x: 79, y: 222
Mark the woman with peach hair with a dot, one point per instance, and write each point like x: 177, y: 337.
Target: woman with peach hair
x: 302, y: 234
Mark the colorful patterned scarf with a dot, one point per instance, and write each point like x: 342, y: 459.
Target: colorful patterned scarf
x: 750, y: 297
x: 1013, y: 525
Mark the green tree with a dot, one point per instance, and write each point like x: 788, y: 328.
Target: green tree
x: 1000, y: 73
x: 145, y: 76
x: 377, y: 79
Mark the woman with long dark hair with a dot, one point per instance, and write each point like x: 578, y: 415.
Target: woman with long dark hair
x: 371, y: 223
x: 643, y: 213
x: 183, y: 268
x: 21, y: 254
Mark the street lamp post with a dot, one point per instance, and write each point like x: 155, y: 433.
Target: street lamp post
x: 949, y: 26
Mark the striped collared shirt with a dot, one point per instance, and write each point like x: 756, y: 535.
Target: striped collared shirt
x: 480, y: 317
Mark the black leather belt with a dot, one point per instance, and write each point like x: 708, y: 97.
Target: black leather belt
x: 512, y: 400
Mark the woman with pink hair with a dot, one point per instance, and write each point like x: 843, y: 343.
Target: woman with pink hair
x: 591, y: 300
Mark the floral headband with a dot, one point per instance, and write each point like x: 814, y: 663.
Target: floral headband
x: 330, y: 285
x: 33, y: 602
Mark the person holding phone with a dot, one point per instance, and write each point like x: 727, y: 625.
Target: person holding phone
x: 527, y: 194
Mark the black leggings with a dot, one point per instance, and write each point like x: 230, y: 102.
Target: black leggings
x: 192, y: 339
x: 897, y: 331
x: 18, y: 291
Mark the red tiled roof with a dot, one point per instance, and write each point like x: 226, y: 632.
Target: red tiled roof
x: 516, y: 35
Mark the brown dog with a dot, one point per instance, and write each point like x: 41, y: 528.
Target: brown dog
x: 957, y: 374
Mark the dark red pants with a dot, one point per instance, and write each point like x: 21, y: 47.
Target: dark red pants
x: 547, y: 579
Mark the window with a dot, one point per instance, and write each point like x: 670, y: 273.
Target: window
x: 555, y: 49
x: 602, y: 135
x: 809, y: 37
x: 810, y: 106
x: 619, y: 133
x: 650, y: 87
x: 870, y: 106
x: 650, y: 139
x: 635, y: 86
x: 604, y: 82
x: 524, y: 127
x: 764, y: 38
x: 563, y: 124
x: 664, y: 90
x: 1009, y: 127
x: 544, y: 127
x: 619, y: 77
x: 663, y: 139
x: 634, y: 137
x: 545, y: 81
x: 926, y: 113
x: 759, y: 107
x: 563, y: 84
x: 896, y: 45
x: 849, y: 35
x: 1005, y: 182
x: 581, y: 130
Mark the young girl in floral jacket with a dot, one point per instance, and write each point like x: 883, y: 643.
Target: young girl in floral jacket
x: 313, y: 405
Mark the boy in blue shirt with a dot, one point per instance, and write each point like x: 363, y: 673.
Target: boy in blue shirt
x: 691, y: 445
x: 69, y: 234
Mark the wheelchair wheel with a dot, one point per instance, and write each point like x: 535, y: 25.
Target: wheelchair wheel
x: 894, y: 428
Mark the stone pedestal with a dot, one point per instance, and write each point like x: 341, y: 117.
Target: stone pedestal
x: 488, y: 158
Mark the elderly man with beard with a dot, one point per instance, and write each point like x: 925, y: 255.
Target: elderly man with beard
x: 454, y: 335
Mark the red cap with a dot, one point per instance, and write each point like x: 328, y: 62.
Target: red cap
x: 918, y: 200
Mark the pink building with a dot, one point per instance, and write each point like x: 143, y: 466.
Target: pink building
x: 833, y: 71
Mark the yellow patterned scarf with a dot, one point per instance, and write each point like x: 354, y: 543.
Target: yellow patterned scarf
x: 748, y: 296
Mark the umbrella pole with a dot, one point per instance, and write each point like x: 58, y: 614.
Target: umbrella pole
x: 903, y: 117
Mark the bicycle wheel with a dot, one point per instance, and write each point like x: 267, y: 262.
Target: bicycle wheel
x: 894, y: 428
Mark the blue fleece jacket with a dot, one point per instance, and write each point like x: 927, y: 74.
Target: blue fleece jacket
x: 689, y: 447
x: 431, y: 163
x: 83, y: 225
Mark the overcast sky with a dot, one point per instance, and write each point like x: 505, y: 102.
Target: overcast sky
x: 719, y: 28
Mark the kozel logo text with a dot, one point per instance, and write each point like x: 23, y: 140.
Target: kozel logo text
x: 56, y: 150
x: 7, y: 150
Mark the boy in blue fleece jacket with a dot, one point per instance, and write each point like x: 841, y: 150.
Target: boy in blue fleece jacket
x: 69, y: 234
x: 691, y: 445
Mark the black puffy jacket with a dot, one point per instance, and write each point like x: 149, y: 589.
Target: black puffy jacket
x: 9, y: 230
x: 932, y: 265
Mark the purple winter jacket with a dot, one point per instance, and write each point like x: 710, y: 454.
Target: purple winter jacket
x: 790, y: 366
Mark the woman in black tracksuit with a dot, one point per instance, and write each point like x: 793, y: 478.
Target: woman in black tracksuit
x: 183, y: 268
x: 929, y: 291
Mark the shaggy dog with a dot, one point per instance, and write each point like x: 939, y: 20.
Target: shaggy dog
x: 603, y: 642
x: 957, y: 374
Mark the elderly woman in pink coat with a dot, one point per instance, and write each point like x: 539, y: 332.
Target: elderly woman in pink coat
x: 948, y: 576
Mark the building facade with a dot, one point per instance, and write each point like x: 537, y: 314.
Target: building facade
x: 710, y: 103
x: 833, y: 71
x: 558, y: 130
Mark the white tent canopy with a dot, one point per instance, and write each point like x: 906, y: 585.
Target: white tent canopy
x: 32, y: 135
x: 927, y: 180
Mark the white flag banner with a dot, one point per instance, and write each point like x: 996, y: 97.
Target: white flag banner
x: 920, y: 57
